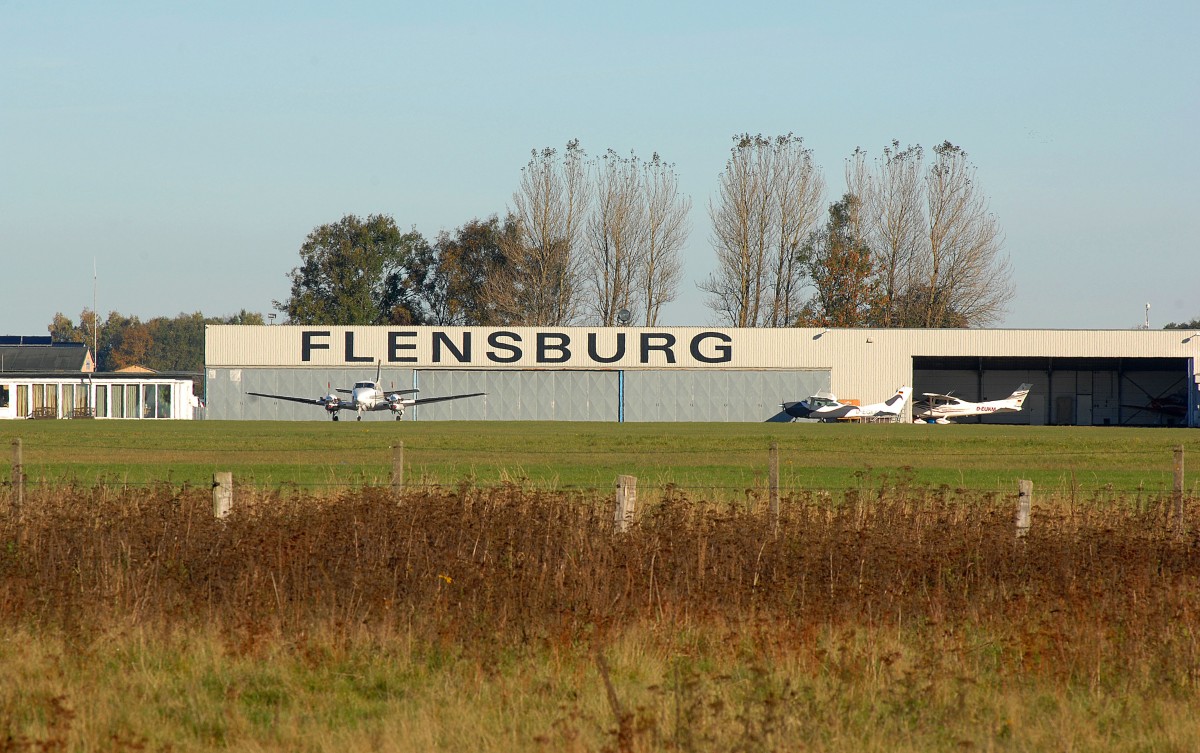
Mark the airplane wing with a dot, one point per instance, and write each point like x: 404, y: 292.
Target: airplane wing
x: 425, y: 400
x: 323, y: 402
x: 305, y: 400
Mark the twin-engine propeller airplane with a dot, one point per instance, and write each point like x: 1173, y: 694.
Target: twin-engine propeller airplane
x: 939, y: 409
x: 365, y: 396
x: 825, y: 407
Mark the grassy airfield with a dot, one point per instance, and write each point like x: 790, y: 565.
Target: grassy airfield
x: 700, y: 459
x: 490, y: 616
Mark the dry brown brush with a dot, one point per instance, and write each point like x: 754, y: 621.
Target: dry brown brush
x: 1100, y: 591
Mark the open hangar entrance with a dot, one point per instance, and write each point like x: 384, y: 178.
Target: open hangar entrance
x: 1067, y: 391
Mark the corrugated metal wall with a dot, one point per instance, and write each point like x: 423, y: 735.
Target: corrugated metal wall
x: 690, y: 373
x: 716, y: 396
x: 517, y: 395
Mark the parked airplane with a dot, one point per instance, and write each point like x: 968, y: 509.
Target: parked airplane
x: 825, y: 407
x: 365, y: 396
x: 939, y: 409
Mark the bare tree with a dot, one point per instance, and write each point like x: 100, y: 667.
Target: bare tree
x: 936, y: 247
x: 769, y: 197
x: 797, y: 189
x: 893, y: 219
x: 666, y: 232
x: 616, y: 238
x: 541, y: 287
x: 966, y: 279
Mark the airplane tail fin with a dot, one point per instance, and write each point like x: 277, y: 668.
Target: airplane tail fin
x: 1020, y: 394
x: 378, y: 374
x: 897, y: 401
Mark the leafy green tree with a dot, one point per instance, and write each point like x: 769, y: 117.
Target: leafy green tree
x: 1193, y: 324
x: 842, y: 271
x: 161, y: 344
x: 357, y: 271
x: 467, y: 262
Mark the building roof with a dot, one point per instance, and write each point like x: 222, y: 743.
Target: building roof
x: 52, y: 357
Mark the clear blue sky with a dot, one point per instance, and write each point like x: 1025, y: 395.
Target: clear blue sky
x: 188, y: 148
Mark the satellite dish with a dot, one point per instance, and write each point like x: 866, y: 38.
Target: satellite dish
x: 623, y: 316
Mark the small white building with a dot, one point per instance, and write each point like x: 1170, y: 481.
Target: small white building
x: 96, y: 396
x: 44, y: 379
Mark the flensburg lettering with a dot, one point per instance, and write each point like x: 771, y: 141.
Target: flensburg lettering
x: 506, y: 346
x: 442, y: 339
x: 307, y: 346
x: 395, y: 346
x: 350, y: 357
x: 665, y: 347
x: 495, y: 342
x: 724, y: 353
x: 595, y: 356
x: 544, y: 346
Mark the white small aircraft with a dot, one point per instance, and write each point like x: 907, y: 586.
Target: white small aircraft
x: 825, y: 407
x: 939, y: 409
x: 365, y: 396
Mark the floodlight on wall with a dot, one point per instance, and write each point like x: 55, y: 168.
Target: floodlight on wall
x: 1191, y: 337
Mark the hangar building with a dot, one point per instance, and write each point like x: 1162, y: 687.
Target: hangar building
x: 1079, y: 377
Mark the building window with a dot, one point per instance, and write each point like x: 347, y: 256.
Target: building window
x: 3, y: 395
x: 164, y: 401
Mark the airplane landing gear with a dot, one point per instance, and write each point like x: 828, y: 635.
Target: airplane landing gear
x: 358, y: 419
x: 398, y: 416
x: 335, y: 416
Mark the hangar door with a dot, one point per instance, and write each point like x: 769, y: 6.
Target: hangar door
x: 527, y: 395
x: 631, y: 395
x: 1067, y: 391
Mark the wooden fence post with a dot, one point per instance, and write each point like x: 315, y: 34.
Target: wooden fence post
x: 397, y: 466
x: 18, y: 482
x: 1025, y: 496
x: 626, y: 502
x: 1179, y: 486
x: 773, y: 482
x: 222, y: 494
x: 18, y: 476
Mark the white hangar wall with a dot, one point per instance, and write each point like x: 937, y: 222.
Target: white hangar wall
x: 696, y: 373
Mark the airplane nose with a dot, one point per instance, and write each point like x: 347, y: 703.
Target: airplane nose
x: 796, y: 410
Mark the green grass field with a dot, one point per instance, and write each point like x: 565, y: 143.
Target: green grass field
x: 702, y: 459
x: 504, y: 615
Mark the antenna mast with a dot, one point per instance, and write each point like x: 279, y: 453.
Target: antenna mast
x: 95, y: 321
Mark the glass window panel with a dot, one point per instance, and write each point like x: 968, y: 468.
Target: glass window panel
x: 164, y: 401
x: 148, y: 402
x: 102, y: 401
